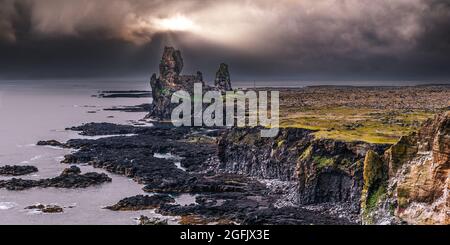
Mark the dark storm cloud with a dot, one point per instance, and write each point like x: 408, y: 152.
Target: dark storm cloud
x: 261, y: 39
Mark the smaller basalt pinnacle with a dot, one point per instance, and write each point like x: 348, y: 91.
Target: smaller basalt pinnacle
x: 223, y: 80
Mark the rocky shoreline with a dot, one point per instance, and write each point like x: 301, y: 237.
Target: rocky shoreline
x: 238, y: 177
x: 220, y: 197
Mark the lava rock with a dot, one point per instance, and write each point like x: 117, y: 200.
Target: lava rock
x: 99, y: 129
x: 141, y: 202
x: 17, y: 170
x: 137, y: 108
x: 54, y: 143
x: 46, y: 208
x: 70, y: 178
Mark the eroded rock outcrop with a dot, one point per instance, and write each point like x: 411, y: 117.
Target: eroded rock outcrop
x: 410, y: 182
x: 170, y: 80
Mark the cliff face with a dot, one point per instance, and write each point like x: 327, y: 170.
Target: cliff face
x: 170, y: 80
x: 410, y: 183
x: 323, y: 170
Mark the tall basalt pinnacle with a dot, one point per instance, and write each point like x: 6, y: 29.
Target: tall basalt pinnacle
x: 223, y: 80
x: 171, y: 62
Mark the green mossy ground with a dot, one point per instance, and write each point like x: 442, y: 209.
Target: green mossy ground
x: 348, y: 124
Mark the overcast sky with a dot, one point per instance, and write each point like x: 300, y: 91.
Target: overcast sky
x: 259, y: 39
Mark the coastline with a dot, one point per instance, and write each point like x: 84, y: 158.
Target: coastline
x: 224, y: 197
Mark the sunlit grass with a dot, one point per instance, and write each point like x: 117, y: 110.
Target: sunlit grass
x: 348, y: 124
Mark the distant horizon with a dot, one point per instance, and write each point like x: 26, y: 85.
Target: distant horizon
x: 249, y: 83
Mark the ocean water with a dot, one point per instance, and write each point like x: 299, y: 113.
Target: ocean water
x: 31, y: 111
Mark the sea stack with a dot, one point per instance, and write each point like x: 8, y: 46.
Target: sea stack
x: 170, y: 80
x: 223, y: 80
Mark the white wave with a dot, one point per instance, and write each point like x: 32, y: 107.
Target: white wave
x: 178, y: 164
x: 105, y: 136
x: 7, y: 205
x: 27, y: 145
x: 53, y: 147
x: 168, y: 156
x: 35, y: 158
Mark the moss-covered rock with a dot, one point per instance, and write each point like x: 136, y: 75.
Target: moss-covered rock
x: 374, y: 188
x: 323, y: 162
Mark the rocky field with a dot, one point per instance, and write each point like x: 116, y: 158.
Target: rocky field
x: 371, y: 114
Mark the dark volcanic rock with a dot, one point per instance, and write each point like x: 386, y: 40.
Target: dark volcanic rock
x: 133, y: 156
x: 126, y: 95
x: 223, y: 80
x: 195, y: 183
x: 98, y: 129
x: 141, y: 202
x: 137, y: 108
x: 224, y: 194
x: 17, y: 170
x: 70, y: 178
x: 46, y: 208
x: 291, y: 216
x: 246, y: 208
x: 51, y: 143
